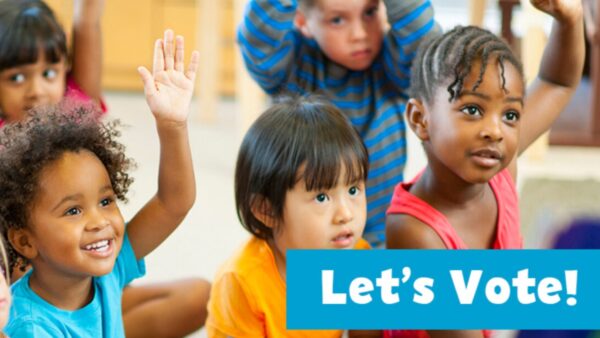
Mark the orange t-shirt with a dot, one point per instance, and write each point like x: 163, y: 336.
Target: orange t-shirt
x: 247, y: 298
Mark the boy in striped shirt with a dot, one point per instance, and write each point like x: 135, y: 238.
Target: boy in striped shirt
x: 343, y: 50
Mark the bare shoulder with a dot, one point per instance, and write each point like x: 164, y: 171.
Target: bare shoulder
x: 407, y: 232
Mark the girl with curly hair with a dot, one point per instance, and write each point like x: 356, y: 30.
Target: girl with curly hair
x: 61, y: 173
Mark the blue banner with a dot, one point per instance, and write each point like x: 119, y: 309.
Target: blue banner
x: 443, y: 289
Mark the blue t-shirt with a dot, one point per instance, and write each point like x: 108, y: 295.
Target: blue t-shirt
x: 32, y: 316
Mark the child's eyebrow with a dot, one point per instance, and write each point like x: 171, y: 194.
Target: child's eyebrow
x: 74, y: 197
x: 518, y: 99
x: 106, y: 188
x: 480, y: 95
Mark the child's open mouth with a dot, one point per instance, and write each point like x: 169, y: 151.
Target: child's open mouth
x: 487, y: 157
x: 100, y: 248
x: 343, y: 240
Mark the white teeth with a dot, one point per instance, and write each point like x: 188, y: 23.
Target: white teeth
x: 98, y: 246
x: 340, y: 237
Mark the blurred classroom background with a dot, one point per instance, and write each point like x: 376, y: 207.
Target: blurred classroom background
x: 559, y: 179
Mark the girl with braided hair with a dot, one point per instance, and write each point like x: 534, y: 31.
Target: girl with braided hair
x: 470, y: 110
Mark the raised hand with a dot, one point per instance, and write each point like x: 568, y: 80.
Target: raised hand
x: 561, y: 10
x: 169, y: 88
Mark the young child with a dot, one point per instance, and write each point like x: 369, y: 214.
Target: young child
x: 5, y: 298
x: 61, y: 173
x: 299, y: 184
x: 470, y: 110
x: 34, y: 67
x: 34, y: 71
x: 339, y: 48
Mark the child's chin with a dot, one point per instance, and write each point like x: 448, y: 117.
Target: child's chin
x: 103, y: 270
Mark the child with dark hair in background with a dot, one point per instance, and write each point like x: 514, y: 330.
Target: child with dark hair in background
x: 299, y: 184
x: 34, y: 60
x: 61, y: 174
x: 471, y: 113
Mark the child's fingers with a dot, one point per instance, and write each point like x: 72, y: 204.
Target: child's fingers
x: 158, y: 64
x: 168, y: 42
x: 193, y: 66
x: 179, y: 53
x: 148, y: 79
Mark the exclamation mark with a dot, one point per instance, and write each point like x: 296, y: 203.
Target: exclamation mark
x: 571, y: 280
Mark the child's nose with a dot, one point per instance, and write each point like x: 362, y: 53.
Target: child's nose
x: 492, y: 131
x: 343, y: 213
x: 359, y: 31
x: 36, y: 88
x: 97, y: 221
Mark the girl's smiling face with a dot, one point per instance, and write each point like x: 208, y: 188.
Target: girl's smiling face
x: 75, y: 227
x: 476, y: 135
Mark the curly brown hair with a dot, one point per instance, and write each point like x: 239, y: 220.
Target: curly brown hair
x: 29, y: 146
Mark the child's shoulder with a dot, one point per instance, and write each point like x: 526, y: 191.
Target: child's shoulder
x: 30, y: 326
x: 405, y: 231
x: 252, y: 258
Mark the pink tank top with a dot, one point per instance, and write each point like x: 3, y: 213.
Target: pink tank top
x: 508, y: 234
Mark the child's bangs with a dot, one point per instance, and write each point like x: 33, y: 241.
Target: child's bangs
x: 35, y: 37
x: 324, y: 166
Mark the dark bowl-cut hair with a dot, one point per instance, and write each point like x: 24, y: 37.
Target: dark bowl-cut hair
x: 300, y: 138
x: 29, y: 146
x: 28, y: 28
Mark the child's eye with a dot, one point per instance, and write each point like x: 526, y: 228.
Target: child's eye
x: 17, y: 78
x: 512, y: 116
x: 72, y: 211
x: 336, y: 20
x: 471, y: 111
x: 371, y: 11
x: 320, y: 198
x: 353, y: 191
x: 50, y: 73
x: 106, y: 201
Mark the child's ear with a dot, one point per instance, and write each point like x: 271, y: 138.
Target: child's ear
x: 301, y: 24
x: 262, y: 211
x: 417, y: 118
x: 22, y: 241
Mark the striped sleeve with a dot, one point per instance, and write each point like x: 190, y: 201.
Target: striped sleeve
x: 268, y: 41
x: 411, y: 23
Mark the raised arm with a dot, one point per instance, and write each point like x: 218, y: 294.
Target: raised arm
x: 268, y: 41
x: 168, y: 92
x: 87, y: 47
x: 411, y: 23
x: 560, y: 70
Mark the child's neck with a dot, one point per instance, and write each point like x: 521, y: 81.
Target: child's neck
x: 66, y: 293
x: 279, y: 259
x: 439, y: 186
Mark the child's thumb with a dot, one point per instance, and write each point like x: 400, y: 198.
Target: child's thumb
x: 149, y: 85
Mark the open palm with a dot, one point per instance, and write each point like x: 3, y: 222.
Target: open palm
x: 169, y: 88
